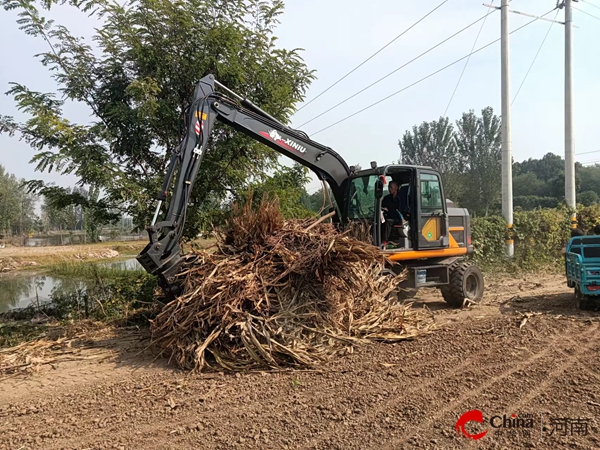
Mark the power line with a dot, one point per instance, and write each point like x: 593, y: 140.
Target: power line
x: 378, y: 51
x: 424, y: 78
x: 396, y: 70
x: 588, y: 153
x: 534, y: 58
x: 585, y: 12
x: 591, y: 4
x: 466, y: 64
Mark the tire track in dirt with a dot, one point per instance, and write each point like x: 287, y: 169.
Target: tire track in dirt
x: 466, y: 365
x: 551, y: 377
x: 192, y: 417
x: 518, y: 366
x: 555, y: 373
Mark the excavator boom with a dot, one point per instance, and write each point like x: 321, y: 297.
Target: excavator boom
x: 162, y: 256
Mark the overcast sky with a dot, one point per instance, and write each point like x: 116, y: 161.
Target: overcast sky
x: 336, y: 35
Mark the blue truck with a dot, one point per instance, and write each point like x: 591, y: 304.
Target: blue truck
x: 582, y: 266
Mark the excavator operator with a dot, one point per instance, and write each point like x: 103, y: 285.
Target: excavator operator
x: 391, y: 205
x: 391, y: 202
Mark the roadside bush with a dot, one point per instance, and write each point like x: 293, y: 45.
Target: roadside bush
x: 539, y: 237
x: 487, y: 236
x: 588, y: 217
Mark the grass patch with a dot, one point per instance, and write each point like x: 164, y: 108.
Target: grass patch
x: 90, y: 271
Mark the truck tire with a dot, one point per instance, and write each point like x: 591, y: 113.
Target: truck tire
x: 466, y: 281
x: 584, y: 302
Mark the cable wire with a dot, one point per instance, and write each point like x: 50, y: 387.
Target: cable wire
x: 396, y: 70
x: 534, y: 58
x: 585, y: 12
x: 374, y: 54
x: 591, y: 4
x: 426, y: 77
x: 466, y: 64
x: 587, y: 153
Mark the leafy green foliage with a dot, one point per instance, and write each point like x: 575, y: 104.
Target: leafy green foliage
x: 588, y: 218
x: 539, y: 236
x: 433, y: 144
x: 137, y: 84
x: 541, y: 180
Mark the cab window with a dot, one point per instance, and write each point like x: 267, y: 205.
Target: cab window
x: 362, y: 197
x: 431, y: 192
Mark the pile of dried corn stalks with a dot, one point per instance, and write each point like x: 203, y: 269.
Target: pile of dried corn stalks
x: 281, y: 293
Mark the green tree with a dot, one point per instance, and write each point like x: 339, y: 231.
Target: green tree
x: 548, y: 167
x: 137, y: 83
x: 588, y: 198
x: 433, y: 144
x: 478, y: 142
x: 17, y: 214
x: 287, y: 184
x: 526, y: 184
x: 589, y: 177
x: 64, y: 206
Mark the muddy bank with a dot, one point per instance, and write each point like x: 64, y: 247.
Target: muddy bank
x: 24, y: 258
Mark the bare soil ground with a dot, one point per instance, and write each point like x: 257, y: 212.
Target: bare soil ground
x: 383, y: 396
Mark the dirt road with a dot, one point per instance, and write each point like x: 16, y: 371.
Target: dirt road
x: 384, y: 396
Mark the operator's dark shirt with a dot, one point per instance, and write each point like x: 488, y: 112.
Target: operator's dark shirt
x: 393, y: 205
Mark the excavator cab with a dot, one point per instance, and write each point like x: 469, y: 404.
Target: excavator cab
x: 427, y: 235
x: 421, y: 220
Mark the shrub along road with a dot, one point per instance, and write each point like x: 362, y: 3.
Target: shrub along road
x: 525, y: 350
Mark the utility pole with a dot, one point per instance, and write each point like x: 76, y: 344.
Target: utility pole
x: 507, y: 195
x: 570, y: 196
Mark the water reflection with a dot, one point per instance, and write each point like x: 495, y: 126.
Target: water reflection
x: 21, y: 290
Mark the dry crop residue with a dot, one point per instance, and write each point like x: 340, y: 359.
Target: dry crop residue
x: 278, y: 293
x: 383, y: 396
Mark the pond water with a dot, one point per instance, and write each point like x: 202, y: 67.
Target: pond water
x: 19, y: 290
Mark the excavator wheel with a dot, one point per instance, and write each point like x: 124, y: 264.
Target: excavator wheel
x: 466, y: 282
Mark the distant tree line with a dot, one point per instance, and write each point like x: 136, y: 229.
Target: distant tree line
x: 468, y: 154
x: 62, y: 209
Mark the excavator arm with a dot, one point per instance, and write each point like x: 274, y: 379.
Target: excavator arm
x: 162, y: 256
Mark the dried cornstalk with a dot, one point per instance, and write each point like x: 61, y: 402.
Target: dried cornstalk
x: 281, y: 293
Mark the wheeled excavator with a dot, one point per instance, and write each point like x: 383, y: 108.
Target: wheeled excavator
x: 432, y: 238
